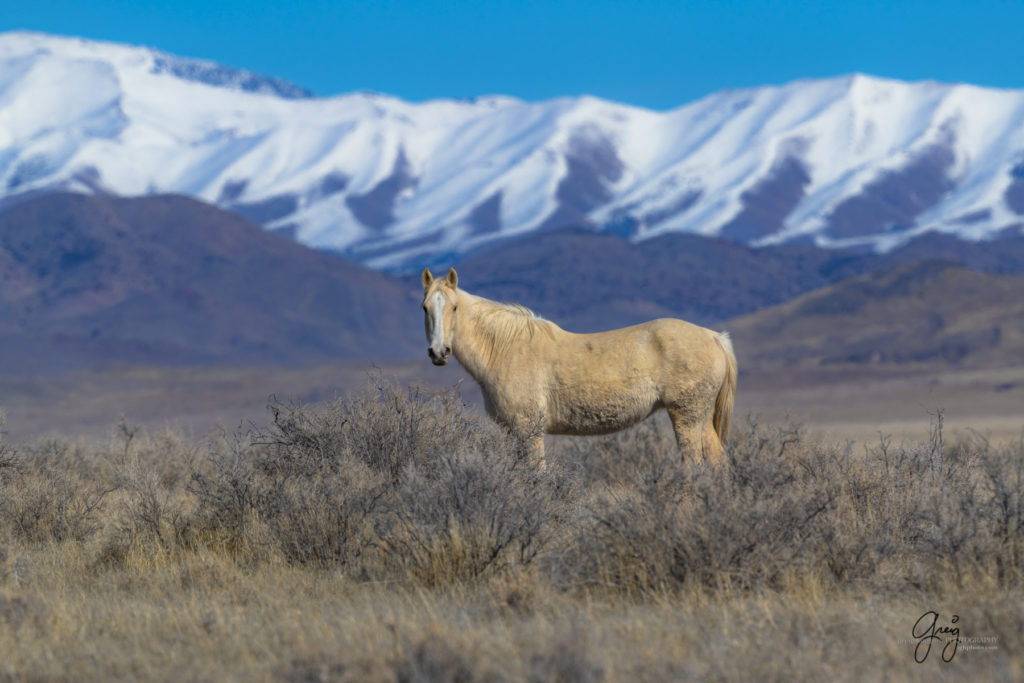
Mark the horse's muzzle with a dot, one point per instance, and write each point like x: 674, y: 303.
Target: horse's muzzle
x: 439, y: 358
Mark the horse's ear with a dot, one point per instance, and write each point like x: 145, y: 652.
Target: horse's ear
x: 453, y: 278
x: 427, y: 278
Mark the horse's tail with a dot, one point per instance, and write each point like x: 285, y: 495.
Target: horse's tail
x: 726, y: 395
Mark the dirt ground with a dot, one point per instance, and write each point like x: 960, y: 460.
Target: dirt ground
x: 899, y: 404
x: 844, y: 403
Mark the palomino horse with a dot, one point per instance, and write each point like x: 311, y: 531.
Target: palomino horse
x: 533, y: 373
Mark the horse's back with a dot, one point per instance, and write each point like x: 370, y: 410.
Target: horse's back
x: 663, y: 339
x: 680, y: 339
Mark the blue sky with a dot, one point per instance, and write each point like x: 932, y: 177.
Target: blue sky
x: 645, y: 52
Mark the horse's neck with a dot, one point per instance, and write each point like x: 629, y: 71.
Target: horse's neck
x: 470, y: 348
x: 474, y: 347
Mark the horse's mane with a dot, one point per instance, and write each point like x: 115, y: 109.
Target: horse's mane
x: 502, y: 324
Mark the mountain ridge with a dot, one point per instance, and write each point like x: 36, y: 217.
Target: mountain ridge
x: 927, y: 314
x: 166, y: 279
x: 588, y: 282
x: 853, y: 161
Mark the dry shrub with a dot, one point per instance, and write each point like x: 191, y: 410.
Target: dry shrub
x: 150, y: 472
x: 393, y: 484
x: 54, y: 494
x: 8, y: 459
x: 228, y: 489
x: 471, y: 512
x: 743, y: 524
x: 401, y: 485
x: 786, y: 505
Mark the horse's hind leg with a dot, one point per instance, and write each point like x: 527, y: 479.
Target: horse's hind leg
x: 696, y: 439
x: 688, y: 434
x: 713, y: 447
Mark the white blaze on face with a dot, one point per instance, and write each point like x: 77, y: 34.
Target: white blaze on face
x: 437, y: 331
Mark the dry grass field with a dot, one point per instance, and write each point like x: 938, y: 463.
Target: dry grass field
x: 397, y: 535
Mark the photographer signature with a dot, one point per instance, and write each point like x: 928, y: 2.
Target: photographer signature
x: 927, y: 630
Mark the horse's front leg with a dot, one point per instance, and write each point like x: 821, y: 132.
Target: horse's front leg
x: 525, y: 422
x: 530, y: 438
x: 528, y: 435
x: 535, y: 446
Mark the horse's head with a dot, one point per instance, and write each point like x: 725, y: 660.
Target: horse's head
x: 440, y: 307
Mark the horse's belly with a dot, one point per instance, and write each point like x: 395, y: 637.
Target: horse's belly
x: 600, y: 415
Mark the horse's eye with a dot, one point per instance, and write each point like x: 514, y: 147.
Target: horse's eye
x: 455, y: 308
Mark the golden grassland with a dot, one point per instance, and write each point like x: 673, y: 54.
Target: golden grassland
x: 204, y: 617
x: 398, y: 535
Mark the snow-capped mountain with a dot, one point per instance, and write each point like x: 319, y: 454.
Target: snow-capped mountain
x: 845, y: 161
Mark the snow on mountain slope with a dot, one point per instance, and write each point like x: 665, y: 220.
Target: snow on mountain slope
x: 845, y: 161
